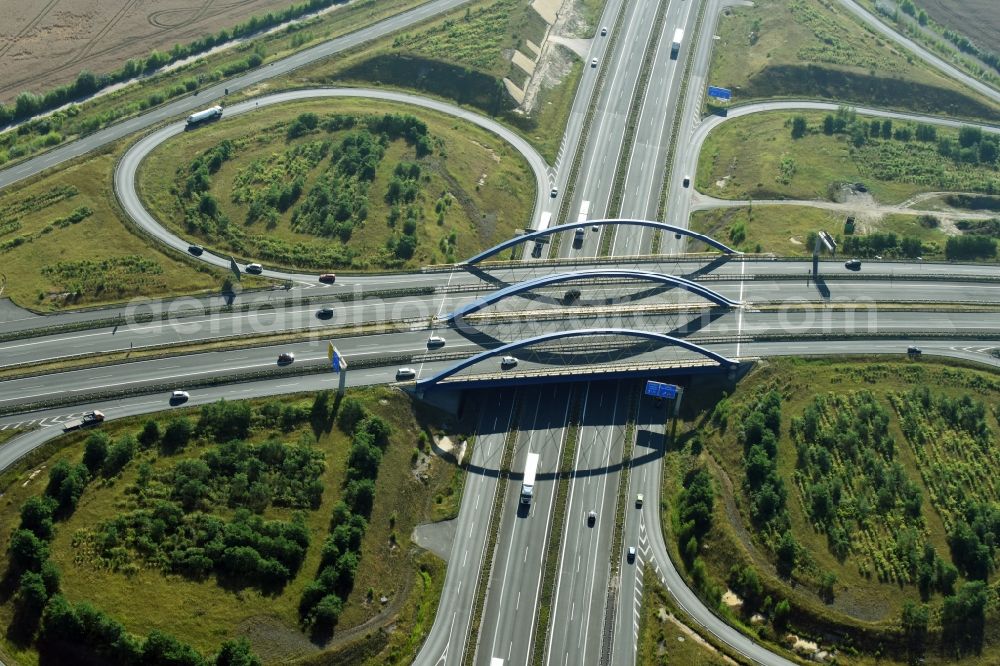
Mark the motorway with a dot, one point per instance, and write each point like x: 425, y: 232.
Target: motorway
x: 418, y: 310
x: 580, y: 629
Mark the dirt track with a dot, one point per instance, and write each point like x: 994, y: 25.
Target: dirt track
x: 44, y: 43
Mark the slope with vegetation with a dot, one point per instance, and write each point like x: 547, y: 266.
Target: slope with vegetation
x: 305, y: 187
x: 848, y: 502
x: 811, y: 48
x: 275, y: 524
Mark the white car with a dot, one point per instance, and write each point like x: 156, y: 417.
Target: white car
x: 593, y: 62
x: 179, y: 396
x: 604, y: 32
x: 406, y: 373
x: 256, y: 269
x: 508, y: 362
x: 435, y: 341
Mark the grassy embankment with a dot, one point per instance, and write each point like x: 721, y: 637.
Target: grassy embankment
x: 808, y: 48
x: 412, y: 486
x: 663, y: 639
x: 63, y: 244
x: 857, y: 557
x: 472, y: 190
x: 831, y: 151
x: 133, y: 99
x: 945, y: 28
x: 463, y: 57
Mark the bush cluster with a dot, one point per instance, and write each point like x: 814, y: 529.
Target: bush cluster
x: 66, y: 632
x: 322, y: 600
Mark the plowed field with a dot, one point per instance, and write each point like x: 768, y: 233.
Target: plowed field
x: 979, y: 20
x: 44, y: 43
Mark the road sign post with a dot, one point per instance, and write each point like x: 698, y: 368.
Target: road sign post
x: 338, y: 364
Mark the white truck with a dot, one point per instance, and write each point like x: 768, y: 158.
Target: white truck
x: 584, y: 212
x: 211, y: 113
x: 528, y: 484
x: 675, y: 46
x: 88, y: 419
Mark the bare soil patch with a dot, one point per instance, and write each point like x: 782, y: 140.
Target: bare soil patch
x: 45, y: 43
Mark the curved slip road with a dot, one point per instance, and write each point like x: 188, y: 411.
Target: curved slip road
x: 127, y: 169
x: 216, y: 93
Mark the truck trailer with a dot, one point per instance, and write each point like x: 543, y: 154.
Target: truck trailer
x: 212, y: 113
x: 528, y: 485
x: 675, y: 46
x: 88, y: 419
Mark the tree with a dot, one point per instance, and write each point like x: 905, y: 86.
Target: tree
x: 150, y: 434
x: 799, y: 126
x: 327, y: 612
x: 360, y: 496
x: 36, y: 516
x: 119, y: 455
x: 914, y: 620
x: 363, y: 461
x: 787, y: 552
x: 237, y: 653
x: 963, y: 619
x: 225, y: 420
x: 95, y: 451
x: 160, y: 649
x: 378, y: 429
x: 177, y: 435
x: 828, y: 124
x: 969, y: 136
x: 782, y: 611
x: 351, y: 412
x: 827, y: 585
x: 887, y: 128
x: 31, y: 595
x: 27, y: 551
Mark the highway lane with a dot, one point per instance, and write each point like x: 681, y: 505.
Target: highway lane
x: 644, y: 478
x: 975, y: 350
x: 179, y: 370
x: 696, y: 268
x: 648, y: 162
x: 861, y: 295
x: 215, y: 93
x: 606, y: 137
x: 445, y: 644
x: 576, y: 625
x: 126, y: 171
x: 509, y: 616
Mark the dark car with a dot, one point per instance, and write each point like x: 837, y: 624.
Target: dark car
x: 630, y: 556
x: 327, y: 278
x: 853, y: 264
x: 591, y: 518
x: 571, y: 296
x: 285, y: 358
x: 255, y: 269
x: 914, y: 351
x: 324, y: 313
x: 196, y: 250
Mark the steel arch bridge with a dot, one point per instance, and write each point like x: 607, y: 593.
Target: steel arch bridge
x: 663, y: 226
x: 435, y: 380
x: 546, y: 280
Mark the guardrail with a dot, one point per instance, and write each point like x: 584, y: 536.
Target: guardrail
x: 326, y: 297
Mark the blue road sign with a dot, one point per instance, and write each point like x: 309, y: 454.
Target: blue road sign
x: 661, y: 390
x: 720, y: 93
